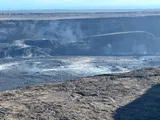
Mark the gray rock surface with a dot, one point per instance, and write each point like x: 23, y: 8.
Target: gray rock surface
x: 103, y: 97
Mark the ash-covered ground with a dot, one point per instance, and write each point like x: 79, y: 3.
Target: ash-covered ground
x: 126, y: 96
x: 18, y: 73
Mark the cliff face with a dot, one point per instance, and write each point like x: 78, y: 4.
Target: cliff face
x: 96, y: 36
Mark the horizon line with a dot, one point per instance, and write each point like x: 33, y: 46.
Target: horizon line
x: 90, y: 9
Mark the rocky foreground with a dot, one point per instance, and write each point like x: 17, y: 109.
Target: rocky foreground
x: 128, y: 96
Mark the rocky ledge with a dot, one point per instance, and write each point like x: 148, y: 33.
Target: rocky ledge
x: 128, y: 96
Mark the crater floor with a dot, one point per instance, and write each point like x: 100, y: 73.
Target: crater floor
x: 19, y: 73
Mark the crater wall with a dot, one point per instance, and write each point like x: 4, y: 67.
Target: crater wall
x: 90, y: 36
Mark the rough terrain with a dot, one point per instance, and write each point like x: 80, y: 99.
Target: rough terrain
x: 128, y: 96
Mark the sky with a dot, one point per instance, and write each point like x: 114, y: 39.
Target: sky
x: 77, y: 4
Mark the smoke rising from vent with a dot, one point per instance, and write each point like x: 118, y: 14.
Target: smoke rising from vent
x: 63, y: 32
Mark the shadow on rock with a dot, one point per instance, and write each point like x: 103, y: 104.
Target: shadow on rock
x: 147, y: 107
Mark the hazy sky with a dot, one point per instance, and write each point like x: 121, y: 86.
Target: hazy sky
x: 77, y: 4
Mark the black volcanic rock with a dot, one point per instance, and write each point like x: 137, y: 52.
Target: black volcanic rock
x: 42, y: 43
